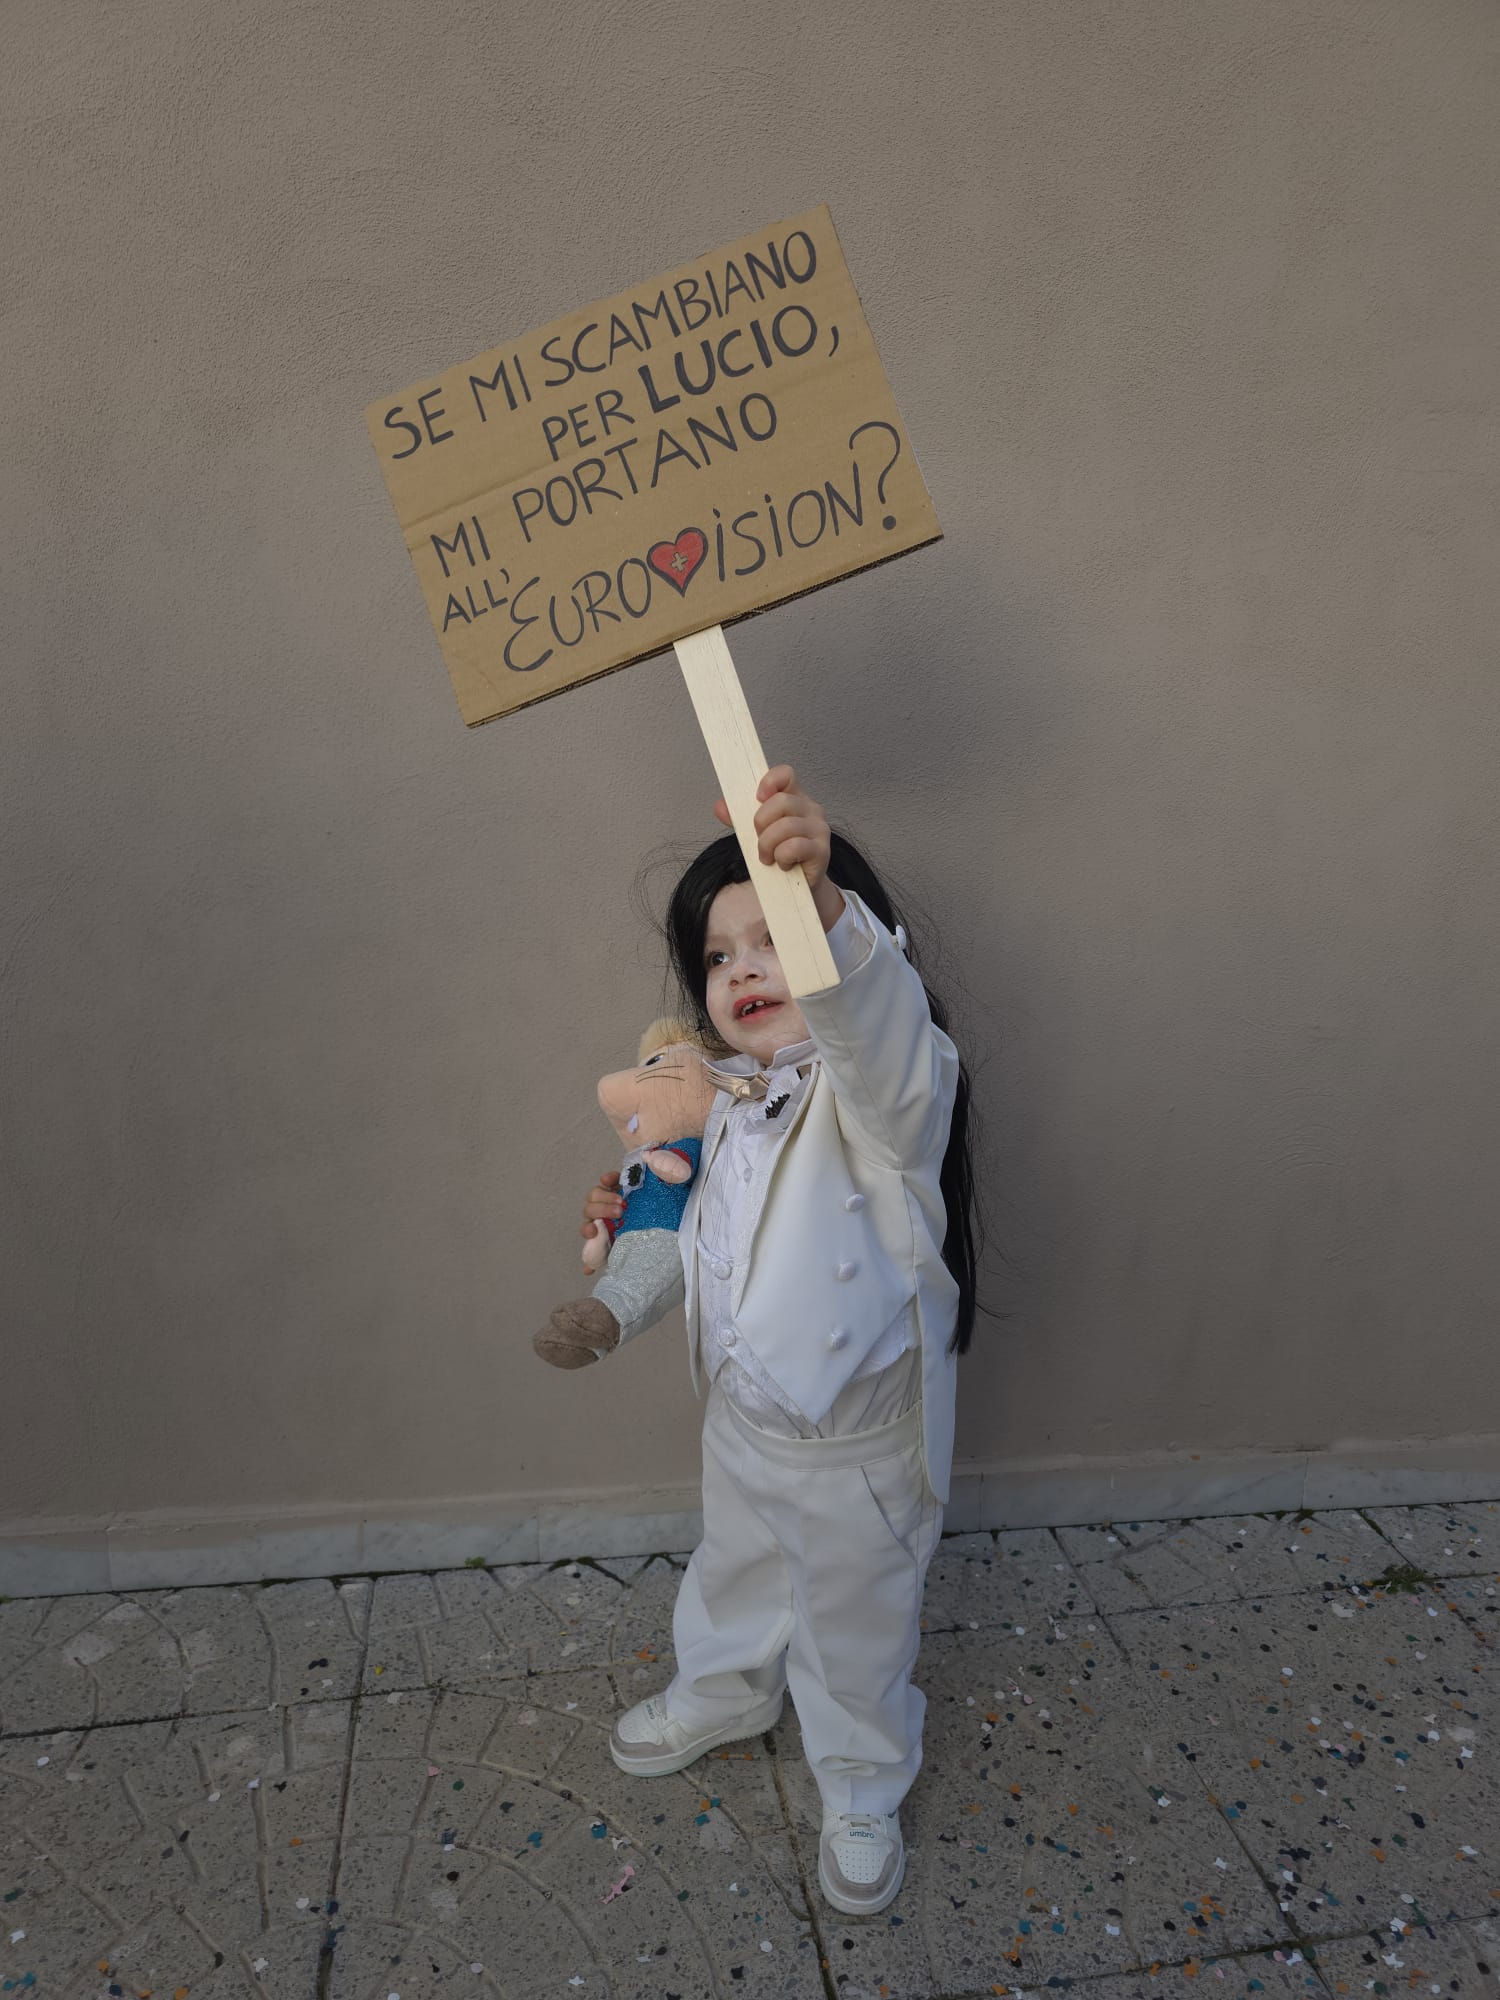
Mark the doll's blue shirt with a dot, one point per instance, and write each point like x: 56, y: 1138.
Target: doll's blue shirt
x: 659, y: 1204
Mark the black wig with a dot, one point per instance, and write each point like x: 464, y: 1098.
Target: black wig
x: 717, y: 867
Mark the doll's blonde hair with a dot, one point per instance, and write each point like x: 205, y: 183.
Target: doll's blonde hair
x: 663, y: 1033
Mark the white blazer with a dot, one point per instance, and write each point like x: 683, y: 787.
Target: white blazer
x: 852, y: 1225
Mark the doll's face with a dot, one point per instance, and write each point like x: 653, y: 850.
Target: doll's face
x: 668, y: 1096
x: 747, y: 998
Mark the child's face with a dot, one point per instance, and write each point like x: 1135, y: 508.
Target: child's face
x: 747, y: 998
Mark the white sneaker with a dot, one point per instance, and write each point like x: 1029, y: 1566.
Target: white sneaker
x: 647, y: 1743
x: 861, y: 1861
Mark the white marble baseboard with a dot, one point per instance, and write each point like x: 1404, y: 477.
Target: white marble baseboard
x: 48, y: 1558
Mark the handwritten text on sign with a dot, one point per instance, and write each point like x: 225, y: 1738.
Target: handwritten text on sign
x: 673, y: 458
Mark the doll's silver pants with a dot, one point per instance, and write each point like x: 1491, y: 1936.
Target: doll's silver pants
x: 809, y: 1577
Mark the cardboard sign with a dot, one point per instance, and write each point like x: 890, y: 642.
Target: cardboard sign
x: 674, y: 458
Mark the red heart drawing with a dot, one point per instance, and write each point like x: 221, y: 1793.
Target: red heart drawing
x: 676, y: 561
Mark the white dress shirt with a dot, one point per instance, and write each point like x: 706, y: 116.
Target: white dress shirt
x: 733, y: 1195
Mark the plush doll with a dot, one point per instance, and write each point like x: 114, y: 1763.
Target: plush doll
x: 658, y: 1110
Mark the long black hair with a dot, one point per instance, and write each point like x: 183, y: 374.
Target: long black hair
x: 719, y: 865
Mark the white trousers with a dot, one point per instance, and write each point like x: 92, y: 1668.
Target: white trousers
x: 809, y: 1577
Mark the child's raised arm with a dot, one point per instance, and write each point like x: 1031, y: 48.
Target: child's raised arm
x: 894, y: 1073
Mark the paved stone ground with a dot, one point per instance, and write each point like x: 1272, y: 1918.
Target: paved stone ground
x: 1160, y: 1756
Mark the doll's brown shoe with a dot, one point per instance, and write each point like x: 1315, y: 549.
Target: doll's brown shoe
x: 580, y: 1332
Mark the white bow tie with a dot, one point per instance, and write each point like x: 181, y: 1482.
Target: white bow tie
x: 741, y: 1088
x: 751, y: 1089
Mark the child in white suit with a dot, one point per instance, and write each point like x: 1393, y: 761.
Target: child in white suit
x: 828, y: 1264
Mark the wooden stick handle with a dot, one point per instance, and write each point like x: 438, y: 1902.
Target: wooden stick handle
x: 740, y: 763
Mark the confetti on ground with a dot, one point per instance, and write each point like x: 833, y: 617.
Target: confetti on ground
x: 620, y: 1886
x: 1272, y: 1666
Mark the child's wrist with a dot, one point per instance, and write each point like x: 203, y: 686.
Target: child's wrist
x: 828, y: 901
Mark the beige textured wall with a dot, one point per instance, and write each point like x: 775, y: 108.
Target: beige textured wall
x: 1186, y: 734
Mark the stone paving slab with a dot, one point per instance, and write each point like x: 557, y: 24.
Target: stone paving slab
x: 1350, y: 1742
x: 177, y: 1652
x: 1402, y: 1957
x: 172, y: 1848
x: 344, y: 1790
x: 1128, y: 1566
x: 1048, y: 1832
x: 1446, y: 1540
x: 1282, y: 1975
x: 1022, y: 1578
x: 642, y: 1642
x: 476, y: 1626
x: 488, y: 1813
